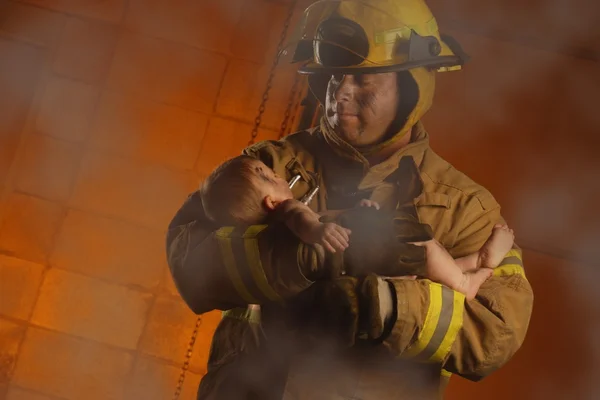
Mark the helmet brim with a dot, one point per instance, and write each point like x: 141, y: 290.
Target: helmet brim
x: 312, y: 68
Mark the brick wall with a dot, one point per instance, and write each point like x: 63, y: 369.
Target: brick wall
x: 110, y: 114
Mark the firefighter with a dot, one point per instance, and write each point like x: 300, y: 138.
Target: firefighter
x: 372, y: 64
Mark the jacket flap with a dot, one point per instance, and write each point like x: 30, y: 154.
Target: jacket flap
x: 433, y: 199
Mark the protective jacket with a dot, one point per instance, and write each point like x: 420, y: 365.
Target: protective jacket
x: 436, y: 332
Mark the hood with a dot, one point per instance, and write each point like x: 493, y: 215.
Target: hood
x: 425, y: 80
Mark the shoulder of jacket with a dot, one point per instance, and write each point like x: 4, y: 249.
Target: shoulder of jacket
x: 441, y: 177
x: 294, y: 145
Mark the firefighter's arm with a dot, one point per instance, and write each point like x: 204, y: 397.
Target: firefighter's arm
x: 470, y: 338
x: 225, y: 267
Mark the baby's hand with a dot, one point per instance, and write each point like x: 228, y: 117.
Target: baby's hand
x: 368, y: 203
x: 331, y: 236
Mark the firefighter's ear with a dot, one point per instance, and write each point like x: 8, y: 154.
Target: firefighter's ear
x: 270, y: 203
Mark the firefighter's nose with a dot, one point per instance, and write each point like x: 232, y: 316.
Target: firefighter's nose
x: 346, y: 88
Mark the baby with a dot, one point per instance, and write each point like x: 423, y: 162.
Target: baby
x: 243, y: 190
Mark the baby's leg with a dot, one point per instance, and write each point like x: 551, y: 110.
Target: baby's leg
x: 472, y: 281
x: 468, y: 263
x: 442, y: 268
x: 499, y: 243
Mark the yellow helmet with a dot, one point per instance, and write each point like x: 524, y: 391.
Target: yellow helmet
x: 371, y: 36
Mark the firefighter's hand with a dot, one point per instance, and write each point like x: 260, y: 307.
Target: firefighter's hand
x: 327, y: 313
x: 381, y: 243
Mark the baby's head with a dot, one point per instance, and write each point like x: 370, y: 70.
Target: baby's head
x: 243, y: 190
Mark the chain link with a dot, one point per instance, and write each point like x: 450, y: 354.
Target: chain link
x: 186, y: 362
x: 265, y: 96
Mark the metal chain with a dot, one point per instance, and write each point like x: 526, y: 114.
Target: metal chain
x: 257, y: 121
x: 265, y: 96
x: 186, y: 362
x: 290, y: 104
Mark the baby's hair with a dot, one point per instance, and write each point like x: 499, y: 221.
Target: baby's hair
x: 231, y: 195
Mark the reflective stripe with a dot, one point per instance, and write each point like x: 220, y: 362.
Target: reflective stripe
x: 254, y: 263
x: 458, y: 305
x: 250, y: 314
x: 431, y: 320
x: 511, y: 265
x: 223, y: 237
x: 241, y: 256
x: 442, y: 323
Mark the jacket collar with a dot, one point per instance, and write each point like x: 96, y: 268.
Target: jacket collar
x: 374, y: 175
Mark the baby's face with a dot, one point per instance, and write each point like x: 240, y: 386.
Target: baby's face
x: 272, y: 184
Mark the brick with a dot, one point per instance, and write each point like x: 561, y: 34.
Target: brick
x: 86, y: 370
x: 11, y: 335
x: 29, y: 226
x: 243, y: 88
x: 225, y: 139
x: 260, y: 25
x: 18, y: 87
x: 169, y: 330
x: 19, y: 284
x: 86, y: 49
x: 110, y: 249
x: 32, y: 24
x: 47, y: 167
x: 149, y: 131
x: 153, y: 380
x: 167, y: 72
x: 168, y: 284
x: 87, y: 307
x: 107, y: 10
x: 66, y: 109
x: 15, y: 393
x: 143, y: 193
x: 204, y: 24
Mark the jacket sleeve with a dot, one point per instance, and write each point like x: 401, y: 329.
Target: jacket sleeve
x: 469, y: 338
x: 225, y: 267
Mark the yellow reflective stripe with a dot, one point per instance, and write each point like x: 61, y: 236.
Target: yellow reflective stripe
x: 510, y: 269
x: 443, y: 321
x: 431, y: 321
x: 511, y: 265
x: 458, y: 307
x: 250, y: 314
x: 255, y: 264
x: 514, y: 253
x: 223, y: 237
x: 446, y: 374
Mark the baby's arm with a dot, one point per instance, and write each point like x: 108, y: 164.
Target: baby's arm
x: 305, y: 224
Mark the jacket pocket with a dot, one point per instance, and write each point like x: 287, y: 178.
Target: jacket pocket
x: 433, y: 209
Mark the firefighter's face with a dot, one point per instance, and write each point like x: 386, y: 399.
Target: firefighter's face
x: 361, y: 107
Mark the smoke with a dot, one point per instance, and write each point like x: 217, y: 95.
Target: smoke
x: 529, y: 131
x: 531, y: 94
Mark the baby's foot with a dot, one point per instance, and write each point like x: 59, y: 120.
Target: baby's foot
x: 473, y: 280
x: 500, y: 242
